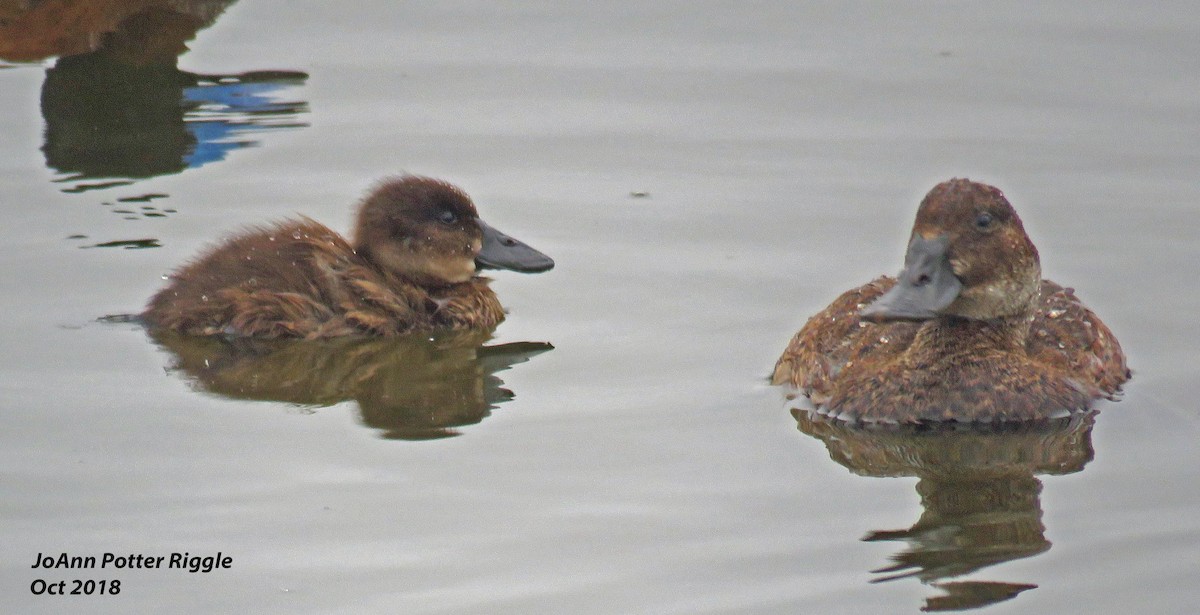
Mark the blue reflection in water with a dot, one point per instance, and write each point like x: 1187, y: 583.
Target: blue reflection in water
x: 108, y: 119
x: 225, y: 110
x: 116, y: 105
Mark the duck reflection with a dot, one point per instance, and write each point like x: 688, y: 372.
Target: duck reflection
x: 115, y: 103
x: 411, y: 388
x: 978, y: 488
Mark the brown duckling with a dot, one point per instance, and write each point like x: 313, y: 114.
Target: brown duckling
x: 968, y: 332
x: 411, y: 266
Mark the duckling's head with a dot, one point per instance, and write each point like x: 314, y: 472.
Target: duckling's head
x: 968, y: 256
x: 428, y: 231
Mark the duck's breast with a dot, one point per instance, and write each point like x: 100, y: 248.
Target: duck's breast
x: 836, y: 337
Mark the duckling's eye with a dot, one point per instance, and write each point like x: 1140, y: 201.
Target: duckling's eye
x: 447, y: 217
x: 983, y: 220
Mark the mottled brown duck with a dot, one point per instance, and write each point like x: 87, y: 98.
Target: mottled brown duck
x: 969, y: 331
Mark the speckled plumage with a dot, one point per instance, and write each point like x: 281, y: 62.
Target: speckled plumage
x: 407, y: 270
x: 1011, y: 346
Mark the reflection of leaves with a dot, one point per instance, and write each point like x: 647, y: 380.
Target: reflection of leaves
x: 972, y: 594
x: 95, y: 186
x: 128, y: 244
x: 142, y: 198
x: 119, y: 107
x: 979, y: 493
x: 415, y: 387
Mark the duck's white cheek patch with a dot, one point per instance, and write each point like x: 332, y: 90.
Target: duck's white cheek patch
x: 452, y: 270
x: 466, y: 269
x: 425, y: 266
x: 958, y: 267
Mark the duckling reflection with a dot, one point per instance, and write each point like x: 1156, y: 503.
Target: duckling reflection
x: 978, y: 487
x: 417, y: 387
x: 115, y: 103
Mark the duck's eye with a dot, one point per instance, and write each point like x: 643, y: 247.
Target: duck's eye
x: 447, y: 217
x: 983, y: 220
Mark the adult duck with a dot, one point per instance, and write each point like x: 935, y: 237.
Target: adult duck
x: 969, y: 331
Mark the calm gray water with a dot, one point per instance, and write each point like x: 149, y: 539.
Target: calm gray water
x: 777, y: 151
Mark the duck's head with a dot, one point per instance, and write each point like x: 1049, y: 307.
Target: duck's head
x: 968, y: 256
x: 428, y: 231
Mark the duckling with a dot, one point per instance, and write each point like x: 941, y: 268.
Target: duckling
x: 969, y: 331
x: 411, y: 266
